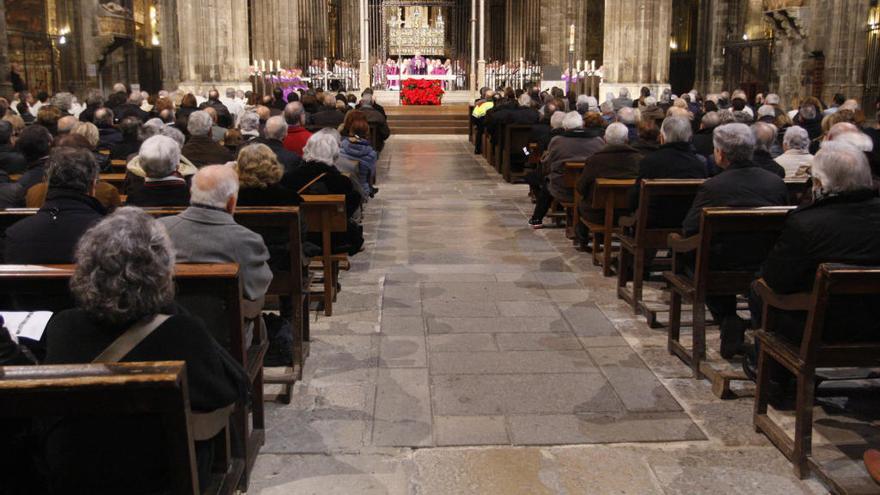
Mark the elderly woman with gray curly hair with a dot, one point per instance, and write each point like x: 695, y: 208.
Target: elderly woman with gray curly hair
x: 123, y: 280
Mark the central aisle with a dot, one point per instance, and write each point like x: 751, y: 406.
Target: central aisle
x: 461, y: 326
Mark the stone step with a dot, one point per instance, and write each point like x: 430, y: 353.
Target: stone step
x: 429, y: 130
x: 438, y: 117
x: 427, y: 122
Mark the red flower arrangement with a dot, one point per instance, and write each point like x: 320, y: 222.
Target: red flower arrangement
x: 421, y: 92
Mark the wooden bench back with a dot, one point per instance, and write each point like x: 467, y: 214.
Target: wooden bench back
x: 116, y: 180
x: 718, y: 222
x: 797, y: 188
x: 655, y: 192
x: 846, y: 281
x: 610, y: 193
x: 157, y: 389
x: 325, y: 211
x: 573, y: 170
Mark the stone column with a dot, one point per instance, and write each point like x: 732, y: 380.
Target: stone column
x: 213, y: 43
x: 636, y: 50
x: 364, y: 71
x: 481, y: 63
x: 472, y: 80
x: 169, y: 43
x: 5, y: 85
x: 844, y: 47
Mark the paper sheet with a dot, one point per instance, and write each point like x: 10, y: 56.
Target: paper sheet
x: 26, y: 324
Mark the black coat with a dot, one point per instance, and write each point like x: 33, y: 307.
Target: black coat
x: 288, y: 159
x: 741, y: 184
x: 670, y: 161
x: 50, y: 235
x: 224, y: 118
x: 11, y: 160
x: 202, y: 150
x: 619, y: 161
x: 157, y: 194
x: 841, y: 229
x: 274, y: 195
x: 124, y: 149
x: 765, y: 160
x: 703, y: 142
x: 540, y: 134
x: 328, y: 117
x: 108, y: 136
x: 96, y: 455
x: 130, y: 110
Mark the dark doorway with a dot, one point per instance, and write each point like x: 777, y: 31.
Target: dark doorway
x: 150, y: 68
x: 683, y: 46
x: 747, y: 66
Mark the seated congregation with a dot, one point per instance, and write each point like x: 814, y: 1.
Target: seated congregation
x: 767, y: 217
x: 156, y: 232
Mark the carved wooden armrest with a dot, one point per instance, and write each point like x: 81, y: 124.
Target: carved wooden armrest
x: 801, y: 301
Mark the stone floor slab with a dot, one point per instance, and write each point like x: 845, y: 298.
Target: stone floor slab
x: 470, y: 430
x: 534, y: 362
x: 403, y: 408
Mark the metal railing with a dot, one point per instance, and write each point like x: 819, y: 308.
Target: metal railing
x: 515, y: 75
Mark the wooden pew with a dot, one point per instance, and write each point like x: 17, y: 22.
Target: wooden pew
x: 220, y: 283
x: 516, y: 137
x: 708, y: 281
x: 118, y: 166
x: 116, y: 180
x: 155, y: 389
x: 644, y: 238
x: 326, y: 214
x: 570, y: 177
x: 267, y: 221
x: 832, y: 280
x: 534, y: 160
x: 608, y: 195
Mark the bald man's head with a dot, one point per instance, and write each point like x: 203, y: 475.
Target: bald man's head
x: 263, y: 112
x: 213, y: 113
x: 66, y: 123
x: 215, y: 186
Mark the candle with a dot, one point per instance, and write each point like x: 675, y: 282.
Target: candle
x: 571, y: 35
x: 271, y: 64
x: 578, y: 65
x: 593, y: 65
x: 278, y: 64
x: 263, y: 65
x: 256, y: 66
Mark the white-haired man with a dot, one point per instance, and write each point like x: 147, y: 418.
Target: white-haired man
x: 201, y: 149
x: 616, y: 160
x: 575, y: 145
x: 741, y: 183
x: 765, y: 137
x: 206, y: 232
x: 275, y: 132
x: 623, y: 99
x: 840, y: 226
x: 163, y: 185
x: 796, y: 156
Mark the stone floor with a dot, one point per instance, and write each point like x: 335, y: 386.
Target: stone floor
x: 469, y: 354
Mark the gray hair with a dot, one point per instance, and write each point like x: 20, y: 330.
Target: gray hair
x: 276, y: 128
x: 151, y: 128
x: 66, y: 124
x: 627, y: 115
x: 124, y: 268
x: 846, y: 132
x: 200, y: 123
x: 63, y: 100
x: 525, y: 100
x: 841, y: 168
x: 214, y: 185
x: 174, y: 134
x: 766, y: 111
x: 616, y: 133
x: 159, y: 156
x: 72, y: 168
x: 294, y: 113
x: 322, y: 147
x: 711, y: 120
x: 765, y: 135
x: 796, y: 138
x: 136, y: 98
x: 249, y: 121
x: 771, y: 99
x: 230, y: 92
x: 606, y: 107
x: 736, y: 141
x: 624, y: 92
x: 556, y: 119
x: 593, y: 103
x: 572, y: 120
x: 676, y: 130
x: 650, y: 101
